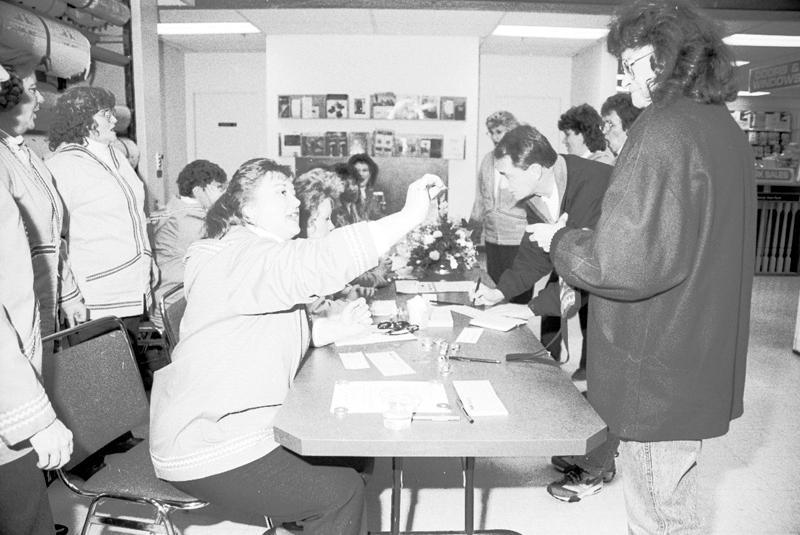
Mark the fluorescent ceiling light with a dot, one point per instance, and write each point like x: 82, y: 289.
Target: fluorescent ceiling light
x: 753, y: 94
x: 740, y: 63
x: 550, y: 32
x: 752, y: 39
x: 198, y: 28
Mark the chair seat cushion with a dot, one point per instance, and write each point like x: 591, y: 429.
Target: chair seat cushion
x: 131, y: 474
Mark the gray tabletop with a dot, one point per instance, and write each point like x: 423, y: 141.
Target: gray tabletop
x: 547, y: 414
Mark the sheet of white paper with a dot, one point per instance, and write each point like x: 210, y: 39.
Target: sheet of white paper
x: 469, y: 335
x: 389, y: 363
x: 383, y: 307
x: 466, y: 310
x: 354, y: 361
x: 374, y: 396
x: 374, y: 337
x: 407, y: 287
x: 512, y: 310
x: 495, y: 322
x: 479, y: 398
x: 440, y: 317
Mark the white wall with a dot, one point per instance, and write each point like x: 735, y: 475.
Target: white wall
x: 534, y: 88
x: 594, y: 75
x: 318, y: 64
x: 222, y: 73
x: 173, y: 110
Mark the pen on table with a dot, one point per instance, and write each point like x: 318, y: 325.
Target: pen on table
x: 475, y: 359
x: 463, y: 409
x: 477, y: 285
x: 434, y: 417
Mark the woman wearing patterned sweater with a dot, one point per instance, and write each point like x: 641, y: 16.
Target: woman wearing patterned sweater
x: 29, y: 428
x: 242, y: 337
x: 104, y: 199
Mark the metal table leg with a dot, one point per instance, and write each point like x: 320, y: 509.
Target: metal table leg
x: 397, y: 483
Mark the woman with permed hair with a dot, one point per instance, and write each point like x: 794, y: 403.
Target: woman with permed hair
x: 104, y: 199
x: 582, y: 127
x: 669, y: 266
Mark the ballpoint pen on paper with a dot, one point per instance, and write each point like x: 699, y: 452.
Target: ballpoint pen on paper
x: 477, y: 285
x: 463, y: 409
x: 475, y: 359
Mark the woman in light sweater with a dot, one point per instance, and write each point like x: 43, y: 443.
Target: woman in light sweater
x: 242, y: 338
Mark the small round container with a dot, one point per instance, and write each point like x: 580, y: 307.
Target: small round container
x: 340, y: 412
x: 398, y: 415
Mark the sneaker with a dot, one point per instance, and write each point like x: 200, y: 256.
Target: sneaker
x: 575, y: 485
x: 566, y: 463
x: 579, y: 374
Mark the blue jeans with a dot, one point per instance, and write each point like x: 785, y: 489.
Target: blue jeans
x: 660, y: 486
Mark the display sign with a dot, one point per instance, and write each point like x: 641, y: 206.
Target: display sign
x: 775, y: 77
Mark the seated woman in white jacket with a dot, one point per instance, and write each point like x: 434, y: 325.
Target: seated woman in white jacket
x: 242, y: 337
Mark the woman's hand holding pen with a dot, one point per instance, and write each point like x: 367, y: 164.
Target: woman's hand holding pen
x: 484, y: 295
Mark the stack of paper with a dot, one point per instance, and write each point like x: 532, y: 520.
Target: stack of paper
x: 374, y: 396
x: 419, y: 287
x: 479, y: 398
x: 374, y: 337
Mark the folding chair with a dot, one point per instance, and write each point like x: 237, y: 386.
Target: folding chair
x: 97, y: 392
x: 172, y: 306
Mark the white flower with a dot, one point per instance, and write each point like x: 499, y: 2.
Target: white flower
x: 453, y: 263
x: 437, y: 234
x: 428, y: 239
x: 434, y: 255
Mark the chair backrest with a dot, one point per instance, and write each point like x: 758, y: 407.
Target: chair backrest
x: 95, y: 386
x: 172, y: 306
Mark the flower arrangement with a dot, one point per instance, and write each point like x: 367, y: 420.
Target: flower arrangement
x: 441, y: 246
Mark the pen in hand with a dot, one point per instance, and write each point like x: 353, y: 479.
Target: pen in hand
x: 477, y: 286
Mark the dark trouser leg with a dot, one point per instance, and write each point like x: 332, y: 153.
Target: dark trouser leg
x: 500, y: 258
x: 550, y: 336
x: 24, y: 507
x: 583, y: 317
x: 600, y: 459
x: 324, y: 500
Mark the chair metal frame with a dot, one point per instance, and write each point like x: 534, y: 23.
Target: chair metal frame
x: 162, y: 505
x: 164, y: 303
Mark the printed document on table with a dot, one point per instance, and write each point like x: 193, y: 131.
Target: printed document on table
x: 374, y: 337
x: 389, y: 363
x: 440, y: 317
x: 374, y: 396
x: 354, y: 361
x: 479, y: 398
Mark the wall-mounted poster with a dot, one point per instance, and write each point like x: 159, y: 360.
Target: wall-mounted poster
x: 383, y: 143
x: 358, y: 142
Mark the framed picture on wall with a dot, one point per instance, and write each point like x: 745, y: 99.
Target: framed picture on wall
x: 382, y: 105
x: 336, y: 106
x: 453, y: 108
x: 358, y: 142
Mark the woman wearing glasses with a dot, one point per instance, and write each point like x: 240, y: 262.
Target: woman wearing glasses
x: 243, y: 335
x: 104, y: 200
x: 28, y: 180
